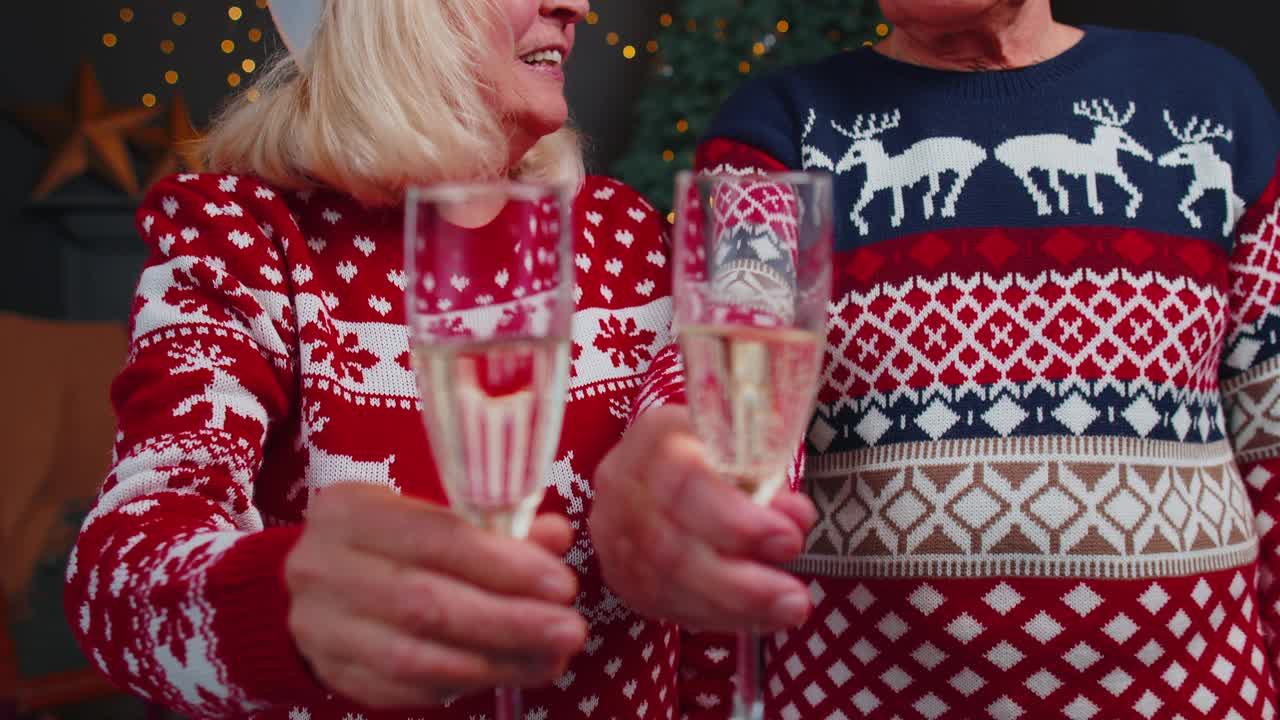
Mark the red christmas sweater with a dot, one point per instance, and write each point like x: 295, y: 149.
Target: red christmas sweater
x: 1046, y: 451
x: 269, y: 360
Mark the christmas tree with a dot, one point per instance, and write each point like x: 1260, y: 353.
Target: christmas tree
x: 706, y: 49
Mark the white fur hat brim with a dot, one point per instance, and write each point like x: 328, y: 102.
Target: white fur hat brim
x: 297, y: 20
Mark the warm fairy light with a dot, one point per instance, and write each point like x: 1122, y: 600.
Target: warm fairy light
x: 180, y: 18
x: 629, y: 50
x: 766, y: 42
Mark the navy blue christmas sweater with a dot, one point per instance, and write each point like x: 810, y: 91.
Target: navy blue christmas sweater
x: 1046, y: 452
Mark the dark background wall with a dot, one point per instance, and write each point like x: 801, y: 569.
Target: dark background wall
x: 1245, y: 27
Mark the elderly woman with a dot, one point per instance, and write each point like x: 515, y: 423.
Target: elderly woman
x: 1045, y: 455
x: 271, y: 541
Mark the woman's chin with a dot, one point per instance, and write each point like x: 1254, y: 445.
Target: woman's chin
x: 544, y: 120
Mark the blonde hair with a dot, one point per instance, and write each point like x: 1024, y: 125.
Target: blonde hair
x: 388, y: 94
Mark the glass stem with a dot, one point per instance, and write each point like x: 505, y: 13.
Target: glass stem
x: 508, y: 703
x: 748, y: 702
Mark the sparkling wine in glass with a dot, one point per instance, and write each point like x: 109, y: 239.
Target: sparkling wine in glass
x: 490, y: 305
x: 752, y: 286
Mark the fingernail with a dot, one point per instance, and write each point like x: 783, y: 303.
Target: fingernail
x: 780, y: 548
x: 792, y: 609
x: 557, y: 586
x: 566, y: 634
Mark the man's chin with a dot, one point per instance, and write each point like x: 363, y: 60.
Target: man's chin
x: 935, y: 13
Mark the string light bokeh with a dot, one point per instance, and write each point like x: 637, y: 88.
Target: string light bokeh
x: 666, y: 20
x: 245, y: 22
x: 708, y: 49
x: 241, y: 47
x: 246, y: 40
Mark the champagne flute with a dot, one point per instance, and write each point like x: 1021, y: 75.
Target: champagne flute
x: 752, y: 286
x: 490, y: 306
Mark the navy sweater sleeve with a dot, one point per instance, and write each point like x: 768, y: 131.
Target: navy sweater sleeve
x: 761, y: 114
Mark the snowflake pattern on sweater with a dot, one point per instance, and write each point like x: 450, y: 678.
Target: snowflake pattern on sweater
x: 269, y: 360
x: 1044, y: 454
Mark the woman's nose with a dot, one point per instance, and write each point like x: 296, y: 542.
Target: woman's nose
x: 568, y: 12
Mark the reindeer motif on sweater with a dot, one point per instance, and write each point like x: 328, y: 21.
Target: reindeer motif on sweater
x: 1058, y: 155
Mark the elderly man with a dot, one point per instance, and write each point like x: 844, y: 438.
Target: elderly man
x: 1042, y: 474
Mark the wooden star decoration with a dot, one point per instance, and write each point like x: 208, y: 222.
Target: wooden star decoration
x: 85, y: 135
x: 174, y: 147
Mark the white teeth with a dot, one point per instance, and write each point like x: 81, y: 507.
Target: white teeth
x: 550, y: 57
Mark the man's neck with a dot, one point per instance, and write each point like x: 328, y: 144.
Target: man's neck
x: 1008, y: 37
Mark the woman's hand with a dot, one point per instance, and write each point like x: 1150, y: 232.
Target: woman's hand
x: 677, y: 542
x: 398, y: 603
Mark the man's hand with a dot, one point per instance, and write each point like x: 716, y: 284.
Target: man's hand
x: 679, y: 543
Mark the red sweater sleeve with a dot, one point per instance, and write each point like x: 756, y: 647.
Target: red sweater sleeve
x: 175, y: 588
x: 1251, y: 388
